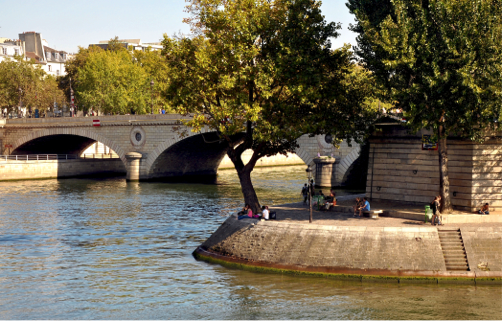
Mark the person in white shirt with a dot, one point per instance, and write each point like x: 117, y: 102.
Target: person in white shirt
x: 264, y: 213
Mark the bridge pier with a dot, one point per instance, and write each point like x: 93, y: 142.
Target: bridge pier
x: 325, y: 175
x: 133, y: 166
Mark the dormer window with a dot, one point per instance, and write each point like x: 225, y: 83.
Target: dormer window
x: 56, y: 56
x: 48, y: 54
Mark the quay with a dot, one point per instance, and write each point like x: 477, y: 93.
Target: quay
x: 389, y: 249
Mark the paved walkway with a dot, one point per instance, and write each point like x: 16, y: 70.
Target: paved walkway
x: 299, y: 213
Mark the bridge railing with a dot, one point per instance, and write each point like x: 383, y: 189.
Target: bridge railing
x: 42, y: 157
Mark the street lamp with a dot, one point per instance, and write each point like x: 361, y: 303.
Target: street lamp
x: 311, y: 190
x: 20, y: 103
x: 151, y: 93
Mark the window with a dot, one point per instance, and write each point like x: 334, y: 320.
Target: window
x: 48, y: 54
x: 49, y: 68
x: 56, y: 56
x: 16, y: 51
x: 4, y: 51
x: 57, y: 72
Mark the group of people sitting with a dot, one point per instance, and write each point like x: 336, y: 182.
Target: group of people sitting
x: 247, y: 212
x: 323, y: 203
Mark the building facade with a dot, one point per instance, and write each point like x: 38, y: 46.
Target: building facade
x: 51, y: 60
x: 11, y: 48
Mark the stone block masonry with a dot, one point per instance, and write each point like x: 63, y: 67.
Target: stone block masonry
x: 343, y: 247
x: 483, y: 246
x: 33, y: 169
x: 400, y: 170
x: 399, y: 253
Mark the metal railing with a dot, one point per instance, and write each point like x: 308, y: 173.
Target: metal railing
x: 99, y: 156
x: 42, y: 157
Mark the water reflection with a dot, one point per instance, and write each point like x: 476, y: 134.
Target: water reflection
x: 102, y: 249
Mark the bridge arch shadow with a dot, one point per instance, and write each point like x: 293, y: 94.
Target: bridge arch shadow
x: 196, y: 155
x: 63, y: 141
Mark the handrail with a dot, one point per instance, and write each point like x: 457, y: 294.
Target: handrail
x: 46, y: 157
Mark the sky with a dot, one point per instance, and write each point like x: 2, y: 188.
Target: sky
x: 69, y: 24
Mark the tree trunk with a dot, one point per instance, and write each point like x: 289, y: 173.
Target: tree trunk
x: 444, y: 181
x: 248, y: 189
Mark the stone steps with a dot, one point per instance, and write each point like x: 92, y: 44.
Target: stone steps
x: 453, y: 250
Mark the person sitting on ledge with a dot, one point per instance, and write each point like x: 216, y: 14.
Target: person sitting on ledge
x: 272, y: 215
x: 330, y: 201
x: 247, y: 213
x: 485, y: 209
x: 357, y: 206
x: 365, y: 206
x: 264, y: 213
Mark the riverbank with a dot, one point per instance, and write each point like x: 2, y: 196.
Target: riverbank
x: 340, y: 246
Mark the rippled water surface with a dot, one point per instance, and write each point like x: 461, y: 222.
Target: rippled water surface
x: 107, y: 249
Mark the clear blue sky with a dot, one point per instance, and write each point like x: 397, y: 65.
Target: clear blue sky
x: 69, y: 24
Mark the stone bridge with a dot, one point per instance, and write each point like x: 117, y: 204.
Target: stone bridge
x: 150, y: 146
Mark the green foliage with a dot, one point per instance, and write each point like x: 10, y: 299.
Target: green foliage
x: 440, y: 59
x: 25, y: 82
x: 111, y: 82
x: 152, y: 62
x: 267, y: 63
x: 265, y: 68
x: 115, y: 45
x: 117, y: 80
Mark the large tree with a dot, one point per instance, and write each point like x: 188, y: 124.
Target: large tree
x: 111, y: 82
x: 262, y: 73
x: 24, y: 83
x: 441, y: 60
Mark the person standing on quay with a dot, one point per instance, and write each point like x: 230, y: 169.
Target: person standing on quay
x: 435, y: 209
x: 305, y: 193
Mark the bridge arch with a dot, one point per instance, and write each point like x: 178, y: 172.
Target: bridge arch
x: 82, y: 132
x: 197, y: 154
x: 346, y: 163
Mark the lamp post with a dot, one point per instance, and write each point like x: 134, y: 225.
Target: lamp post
x: 20, y: 103
x: 311, y: 189
x: 151, y: 94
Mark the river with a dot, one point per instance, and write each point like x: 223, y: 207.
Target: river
x: 107, y: 249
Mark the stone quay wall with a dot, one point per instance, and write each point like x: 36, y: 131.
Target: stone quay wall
x: 398, y: 253
x: 400, y: 170
x: 42, y: 169
x: 346, y: 247
x: 483, y: 245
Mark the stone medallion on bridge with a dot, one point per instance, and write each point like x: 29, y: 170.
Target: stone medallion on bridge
x: 138, y: 136
x: 325, y: 144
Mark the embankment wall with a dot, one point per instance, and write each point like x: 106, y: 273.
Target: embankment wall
x: 483, y: 245
x: 33, y: 169
x: 349, y: 247
x: 396, y: 252
x: 400, y: 170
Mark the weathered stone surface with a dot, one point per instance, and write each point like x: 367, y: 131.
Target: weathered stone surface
x: 400, y: 170
x: 483, y: 245
x: 358, y: 247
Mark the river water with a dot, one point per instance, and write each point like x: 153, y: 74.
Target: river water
x: 107, y: 249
